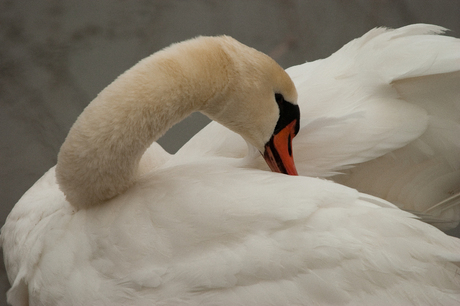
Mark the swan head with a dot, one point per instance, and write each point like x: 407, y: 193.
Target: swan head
x: 259, y: 102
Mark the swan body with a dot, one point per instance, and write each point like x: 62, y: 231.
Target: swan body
x: 211, y: 229
x: 381, y: 115
x: 180, y: 241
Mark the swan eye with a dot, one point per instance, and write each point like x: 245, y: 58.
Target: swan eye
x: 279, y: 99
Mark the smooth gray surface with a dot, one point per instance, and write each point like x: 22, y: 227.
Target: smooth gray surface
x: 55, y: 56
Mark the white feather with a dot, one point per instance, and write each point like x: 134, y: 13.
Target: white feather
x: 381, y: 115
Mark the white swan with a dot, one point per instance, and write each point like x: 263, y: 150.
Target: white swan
x: 384, y: 112
x: 210, y: 230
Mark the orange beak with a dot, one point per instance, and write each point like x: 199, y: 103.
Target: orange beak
x: 278, y: 150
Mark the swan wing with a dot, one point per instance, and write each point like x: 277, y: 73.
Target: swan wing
x: 351, y: 108
x: 419, y: 75
x: 382, y: 115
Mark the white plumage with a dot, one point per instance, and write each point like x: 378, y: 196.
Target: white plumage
x: 381, y: 115
x: 204, y: 227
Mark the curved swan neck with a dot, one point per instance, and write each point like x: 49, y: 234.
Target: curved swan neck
x: 100, y: 156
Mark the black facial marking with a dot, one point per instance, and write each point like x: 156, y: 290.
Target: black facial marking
x: 288, y: 113
x: 275, y: 156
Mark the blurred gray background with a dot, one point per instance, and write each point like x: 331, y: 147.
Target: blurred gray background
x: 56, y: 55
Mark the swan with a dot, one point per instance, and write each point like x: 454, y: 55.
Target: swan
x: 381, y: 115
x: 109, y: 225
